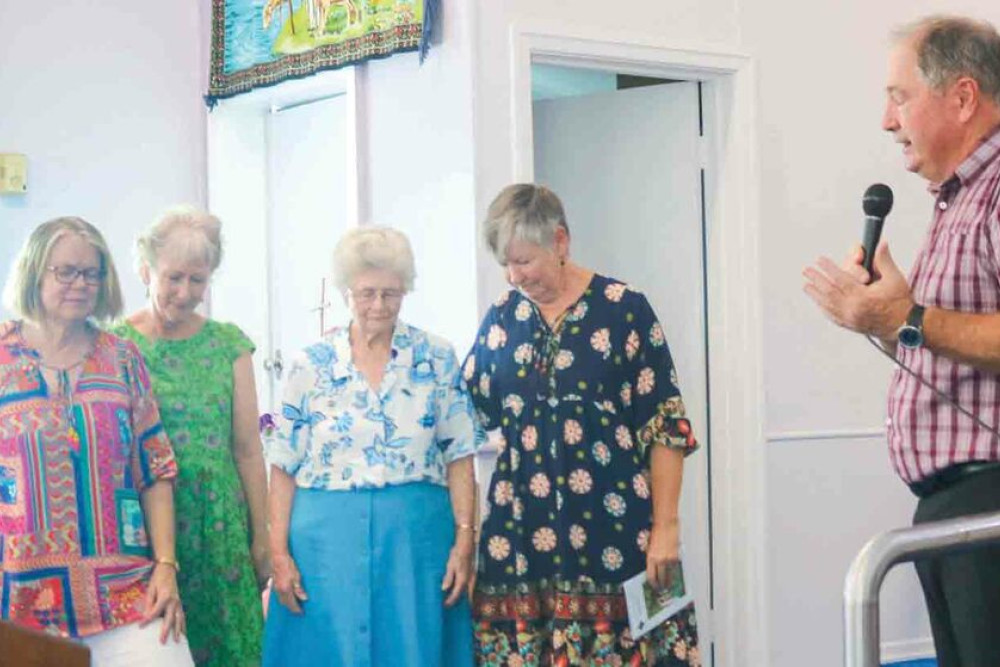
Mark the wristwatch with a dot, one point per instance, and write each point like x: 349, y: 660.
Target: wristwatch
x: 911, y: 334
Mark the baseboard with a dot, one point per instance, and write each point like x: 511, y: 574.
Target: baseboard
x: 910, y: 649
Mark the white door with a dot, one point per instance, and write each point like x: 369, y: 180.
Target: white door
x: 626, y: 165
x: 307, y: 161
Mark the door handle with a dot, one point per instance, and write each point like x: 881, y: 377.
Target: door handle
x: 274, y: 366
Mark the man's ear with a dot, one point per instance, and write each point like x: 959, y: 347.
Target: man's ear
x: 967, y: 97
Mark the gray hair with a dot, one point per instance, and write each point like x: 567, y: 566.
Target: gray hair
x: 949, y: 47
x: 373, y: 247
x: 22, y: 292
x: 197, y: 236
x: 526, y: 212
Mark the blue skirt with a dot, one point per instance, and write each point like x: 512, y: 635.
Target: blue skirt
x: 372, y: 562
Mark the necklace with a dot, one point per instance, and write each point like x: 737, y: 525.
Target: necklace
x: 63, y: 372
x: 64, y: 385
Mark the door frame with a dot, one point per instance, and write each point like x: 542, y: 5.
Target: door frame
x: 237, y: 173
x: 733, y: 290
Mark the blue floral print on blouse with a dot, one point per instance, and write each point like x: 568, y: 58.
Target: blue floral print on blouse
x: 335, y: 432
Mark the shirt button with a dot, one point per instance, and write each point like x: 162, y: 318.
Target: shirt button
x: 888, y: 422
x: 364, y: 629
x: 943, y: 205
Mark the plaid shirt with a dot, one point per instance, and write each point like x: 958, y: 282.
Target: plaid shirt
x: 958, y: 269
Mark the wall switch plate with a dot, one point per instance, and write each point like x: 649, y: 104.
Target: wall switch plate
x: 13, y: 173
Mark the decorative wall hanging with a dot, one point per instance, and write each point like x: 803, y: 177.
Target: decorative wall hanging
x: 259, y: 43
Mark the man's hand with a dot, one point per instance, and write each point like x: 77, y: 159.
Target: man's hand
x: 879, y: 308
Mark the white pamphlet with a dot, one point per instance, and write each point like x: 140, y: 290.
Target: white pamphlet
x: 647, y: 607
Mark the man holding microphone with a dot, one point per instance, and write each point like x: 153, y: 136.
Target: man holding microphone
x: 943, y: 323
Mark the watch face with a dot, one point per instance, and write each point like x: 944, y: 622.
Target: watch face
x: 910, y: 336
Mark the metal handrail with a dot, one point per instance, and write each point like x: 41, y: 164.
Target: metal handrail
x: 864, y: 580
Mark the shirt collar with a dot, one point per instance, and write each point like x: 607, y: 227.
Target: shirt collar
x: 401, y: 355
x: 971, y: 167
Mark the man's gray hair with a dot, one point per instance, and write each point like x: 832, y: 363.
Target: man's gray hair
x: 949, y: 47
x: 373, y: 247
x: 526, y: 212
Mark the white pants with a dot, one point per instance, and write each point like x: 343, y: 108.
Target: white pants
x: 130, y: 646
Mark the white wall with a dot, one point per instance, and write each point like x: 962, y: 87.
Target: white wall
x: 819, y: 69
x: 417, y: 158
x: 105, y: 100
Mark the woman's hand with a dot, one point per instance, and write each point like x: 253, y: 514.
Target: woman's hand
x: 261, y: 555
x: 288, y: 583
x: 663, y: 553
x: 459, y: 571
x: 162, y: 599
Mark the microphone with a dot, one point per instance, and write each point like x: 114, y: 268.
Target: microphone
x: 877, y: 202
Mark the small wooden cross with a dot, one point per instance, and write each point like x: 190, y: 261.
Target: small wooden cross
x: 321, y: 308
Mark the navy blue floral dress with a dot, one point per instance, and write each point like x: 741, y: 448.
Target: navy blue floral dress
x: 578, y: 406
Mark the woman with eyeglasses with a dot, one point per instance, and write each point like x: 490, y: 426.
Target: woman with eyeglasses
x: 372, y: 491
x: 86, y: 471
x: 572, y: 371
x: 203, y: 380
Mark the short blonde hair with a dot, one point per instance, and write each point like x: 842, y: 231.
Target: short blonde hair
x: 526, y: 212
x: 373, y: 247
x: 200, y: 237
x: 22, y: 293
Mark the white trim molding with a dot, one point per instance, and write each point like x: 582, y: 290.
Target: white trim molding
x: 734, y: 311
x: 826, y: 434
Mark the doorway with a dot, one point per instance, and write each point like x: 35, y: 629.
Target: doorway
x: 739, y: 634
x: 624, y: 154
x: 307, y: 188
x: 283, y: 178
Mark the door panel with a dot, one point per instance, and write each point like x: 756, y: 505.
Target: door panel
x: 626, y: 165
x: 307, y: 203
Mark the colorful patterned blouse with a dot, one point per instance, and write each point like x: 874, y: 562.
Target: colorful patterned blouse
x: 335, y: 432
x: 74, y: 554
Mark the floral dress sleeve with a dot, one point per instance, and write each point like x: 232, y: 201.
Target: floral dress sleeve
x: 657, y: 407
x: 152, y: 456
x: 288, y: 447
x: 458, y: 433
x: 480, y: 367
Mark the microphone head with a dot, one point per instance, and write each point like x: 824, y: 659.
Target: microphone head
x: 877, y: 201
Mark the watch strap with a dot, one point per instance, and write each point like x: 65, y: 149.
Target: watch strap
x: 916, y: 317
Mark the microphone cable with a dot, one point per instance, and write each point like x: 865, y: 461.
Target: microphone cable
x: 948, y: 399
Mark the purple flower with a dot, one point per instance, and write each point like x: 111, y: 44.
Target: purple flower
x: 266, y: 424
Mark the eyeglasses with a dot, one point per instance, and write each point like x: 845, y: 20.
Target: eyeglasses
x: 68, y: 274
x: 369, y: 294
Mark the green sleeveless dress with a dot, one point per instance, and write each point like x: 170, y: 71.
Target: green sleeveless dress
x: 193, y: 383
